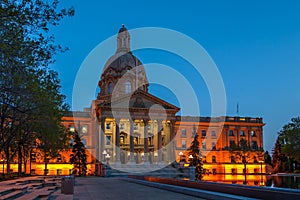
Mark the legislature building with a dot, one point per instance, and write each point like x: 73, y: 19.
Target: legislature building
x: 126, y: 125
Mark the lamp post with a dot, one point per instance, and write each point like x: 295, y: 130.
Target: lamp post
x: 107, y: 159
x: 191, y: 168
x: 104, y: 153
x: 180, y: 158
x: 261, y: 172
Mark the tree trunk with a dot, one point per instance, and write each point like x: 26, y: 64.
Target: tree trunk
x: 7, y: 161
x: 19, y: 161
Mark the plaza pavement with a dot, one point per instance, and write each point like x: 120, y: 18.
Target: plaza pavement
x: 115, y: 189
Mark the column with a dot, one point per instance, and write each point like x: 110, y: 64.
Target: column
x: 159, y: 141
x: 132, y: 161
x: 146, y: 148
x: 117, y: 141
x: 102, y: 131
x: 172, y: 136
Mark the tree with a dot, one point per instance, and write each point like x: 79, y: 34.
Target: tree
x: 286, y: 153
x: 290, y: 137
x: 244, y: 153
x: 26, y: 50
x: 196, y: 161
x: 267, y: 158
x: 79, y: 157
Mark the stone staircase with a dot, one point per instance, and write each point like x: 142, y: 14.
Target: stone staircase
x: 40, y: 187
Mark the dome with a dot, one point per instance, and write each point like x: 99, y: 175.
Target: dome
x: 119, y: 62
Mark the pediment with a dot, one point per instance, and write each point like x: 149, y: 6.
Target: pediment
x: 139, y: 100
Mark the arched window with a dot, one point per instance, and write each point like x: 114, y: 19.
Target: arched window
x: 128, y: 87
x: 110, y: 88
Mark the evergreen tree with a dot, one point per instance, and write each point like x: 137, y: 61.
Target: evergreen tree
x: 278, y: 158
x: 79, y: 157
x: 267, y: 158
x: 196, y: 161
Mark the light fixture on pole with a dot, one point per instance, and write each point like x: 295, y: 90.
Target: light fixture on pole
x: 107, y: 158
x: 261, y: 172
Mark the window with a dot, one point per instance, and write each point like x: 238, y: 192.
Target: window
x: 84, y: 129
x: 254, y: 145
x: 214, y: 171
x: 203, y: 133
x: 135, y: 140
x: 204, y: 145
x: 242, y: 133
x: 213, y: 159
x: 232, y: 159
x: 122, y: 139
x: 149, y: 140
x: 232, y: 144
x: 135, y: 127
x: 213, y: 146
x: 110, y: 88
x: 128, y: 87
x: 108, y: 140
x: 233, y: 171
x: 183, y: 133
x: 183, y: 144
x: 213, y: 134
x: 58, y: 159
x: 72, y: 129
x: 71, y: 142
x: 231, y: 133
x: 253, y: 134
x: 33, y: 157
x: 256, y: 171
x: 84, y: 142
x: 121, y: 126
x: 107, y: 126
x: 255, y: 159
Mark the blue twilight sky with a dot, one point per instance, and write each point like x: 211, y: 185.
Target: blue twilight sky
x: 255, y: 45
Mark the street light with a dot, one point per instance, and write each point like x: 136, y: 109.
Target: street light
x: 104, y: 153
x: 107, y: 158
x: 261, y: 172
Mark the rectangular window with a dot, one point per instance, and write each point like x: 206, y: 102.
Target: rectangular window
x: 183, y: 144
x: 203, y: 133
x: 108, y: 140
x: 122, y: 140
x: 242, y: 133
x: 84, y: 142
x: 71, y: 142
x: 33, y: 157
x: 203, y: 145
x: 214, y: 171
x: 213, y: 134
x: 233, y: 170
x: 135, y: 140
x: 135, y: 127
x: 84, y: 129
x: 121, y: 126
x: 183, y: 133
x: 253, y: 134
x: 108, y: 126
x: 232, y: 144
x: 254, y: 145
x: 213, y: 146
x: 231, y: 133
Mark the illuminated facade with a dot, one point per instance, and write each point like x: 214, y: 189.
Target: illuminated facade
x: 137, y: 128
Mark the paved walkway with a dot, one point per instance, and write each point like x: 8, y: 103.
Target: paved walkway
x: 114, y: 189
